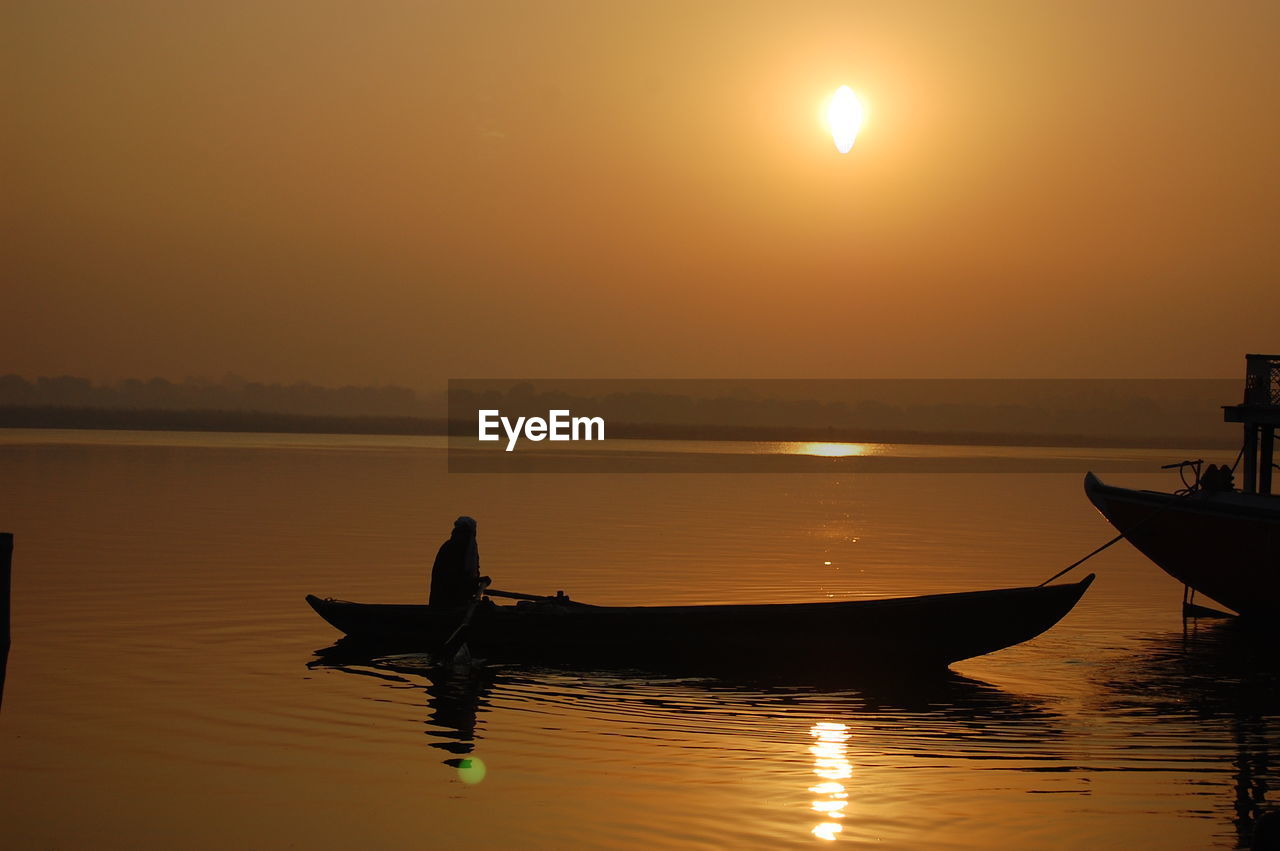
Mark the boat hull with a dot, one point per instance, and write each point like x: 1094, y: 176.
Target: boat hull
x: 1224, y: 545
x: 929, y: 631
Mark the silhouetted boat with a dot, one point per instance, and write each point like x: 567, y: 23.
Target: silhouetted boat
x: 1224, y: 544
x: 1221, y: 542
x: 919, y: 632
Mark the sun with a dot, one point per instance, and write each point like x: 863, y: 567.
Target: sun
x: 844, y: 118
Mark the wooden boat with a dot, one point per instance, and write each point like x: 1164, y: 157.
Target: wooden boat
x: 1224, y: 544
x: 1214, y: 539
x: 920, y: 632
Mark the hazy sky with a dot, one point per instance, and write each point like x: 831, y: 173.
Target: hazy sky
x: 404, y: 192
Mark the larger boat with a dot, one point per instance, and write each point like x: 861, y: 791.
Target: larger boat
x: 1219, y: 541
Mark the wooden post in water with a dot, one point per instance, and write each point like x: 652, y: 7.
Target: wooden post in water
x: 6, y: 561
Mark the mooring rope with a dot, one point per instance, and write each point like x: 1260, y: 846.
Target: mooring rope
x: 1074, y: 565
x: 1175, y: 498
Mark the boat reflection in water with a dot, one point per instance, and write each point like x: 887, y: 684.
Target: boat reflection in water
x: 831, y: 765
x: 782, y: 749
x: 1223, y: 679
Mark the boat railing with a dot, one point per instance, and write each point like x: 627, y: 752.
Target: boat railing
x: 1262, y: 381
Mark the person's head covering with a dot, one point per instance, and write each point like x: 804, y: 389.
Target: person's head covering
x: 465, y: 522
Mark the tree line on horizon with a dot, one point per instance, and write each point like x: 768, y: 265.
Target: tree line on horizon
x: 230, y: 394
x: 1082, y: 410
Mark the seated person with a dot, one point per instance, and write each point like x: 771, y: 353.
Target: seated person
x: 455, y: 576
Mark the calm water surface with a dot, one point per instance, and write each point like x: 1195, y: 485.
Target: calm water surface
x: 159, y: 691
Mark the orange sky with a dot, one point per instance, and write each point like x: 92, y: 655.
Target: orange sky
x: 404, y: 192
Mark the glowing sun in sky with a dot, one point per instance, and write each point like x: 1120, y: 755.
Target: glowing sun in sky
x: 844, y: 118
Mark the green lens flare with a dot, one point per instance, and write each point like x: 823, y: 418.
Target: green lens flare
x: 471, y: 771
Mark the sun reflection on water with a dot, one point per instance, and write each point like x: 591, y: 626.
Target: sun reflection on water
x: 834, y: 450
x: 831, y: 763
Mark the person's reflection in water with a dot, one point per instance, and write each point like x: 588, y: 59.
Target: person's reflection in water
x: 454, y: 698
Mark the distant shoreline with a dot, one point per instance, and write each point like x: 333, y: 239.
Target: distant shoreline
x: 265, y: 422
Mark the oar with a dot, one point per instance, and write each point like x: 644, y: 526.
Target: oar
x: 494, y: 592
x: 453, y: 645
x: 558, y: 598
